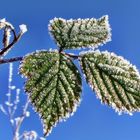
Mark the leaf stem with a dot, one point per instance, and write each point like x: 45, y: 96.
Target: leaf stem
x: 70, y: 55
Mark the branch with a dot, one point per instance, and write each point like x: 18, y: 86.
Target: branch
x: 21, y: 119
x: 9, y: 103
x: 2, y: 61
x: 8, y: 27
x: 16, y: 39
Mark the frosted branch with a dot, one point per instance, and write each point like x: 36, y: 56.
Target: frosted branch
x: 11, y: 107
x: 8, y: 29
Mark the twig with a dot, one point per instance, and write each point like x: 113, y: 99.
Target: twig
x: 16, y: 39
x: 22, y: 117
x: 2, y: 61
x: 9, y: 96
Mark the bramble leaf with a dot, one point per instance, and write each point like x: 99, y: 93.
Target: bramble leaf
x: 53, y: 85
x: 80, y: 33
x: 115, y: 81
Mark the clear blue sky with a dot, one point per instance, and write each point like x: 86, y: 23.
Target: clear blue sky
x: 92, y: 121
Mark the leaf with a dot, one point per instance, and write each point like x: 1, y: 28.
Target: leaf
x: 80, y: 33
x: 53, y: 85
x: 115, y: 81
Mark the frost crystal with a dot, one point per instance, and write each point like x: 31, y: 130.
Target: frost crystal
x: 12, y: 87
x: 2, y: 23
x: 23, y: 28
x: 27, y: 114
x: 8, y: 103
x: 2, y: 20
x: 17, y: 120
x: 3, y: 109
x: 41, y: 138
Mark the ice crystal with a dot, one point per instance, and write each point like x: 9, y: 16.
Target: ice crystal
x: 23, y: 28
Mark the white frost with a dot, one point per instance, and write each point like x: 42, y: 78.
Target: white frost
x: 23, y: 28
x: 27, y: 114
x: 2, y: 20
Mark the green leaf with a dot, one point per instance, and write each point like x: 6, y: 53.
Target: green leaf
x: 115, y: 81
x: 80, y: 33
x: 53, y: 85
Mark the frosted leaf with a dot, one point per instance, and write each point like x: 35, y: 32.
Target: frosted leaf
x: 53, y: 85
x: 80, y: 33
x: 115, y: 81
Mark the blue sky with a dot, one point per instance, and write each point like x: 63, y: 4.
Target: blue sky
x: 92, y: 120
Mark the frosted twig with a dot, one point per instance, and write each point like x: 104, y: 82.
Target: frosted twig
x: 9, y: 103
x: 20, y: 120
x: 3, y: 110
x: 2, y: 61
x: 12, y: 106
x: 8, y: 28
x: 16, y: 101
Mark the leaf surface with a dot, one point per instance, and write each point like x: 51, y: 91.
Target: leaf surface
x: 115, y: 81
x: 53, y: 85
x: 80, y: 33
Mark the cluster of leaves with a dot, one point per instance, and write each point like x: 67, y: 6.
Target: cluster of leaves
x: 54, y: 83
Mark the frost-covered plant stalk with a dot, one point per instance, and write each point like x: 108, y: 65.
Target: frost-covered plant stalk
x: 10, y: 108
x: 54, y: 83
